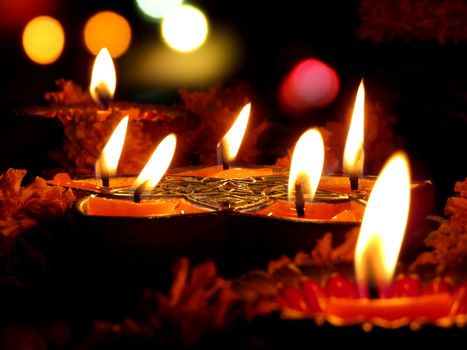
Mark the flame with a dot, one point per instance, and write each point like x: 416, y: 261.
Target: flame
x: 103, y: 79
x: 158, y: 164
x: 384, y: 223
x: 108, y: 161
x: 233, y: 138
x: 307, y: 163
x: 354, y: 153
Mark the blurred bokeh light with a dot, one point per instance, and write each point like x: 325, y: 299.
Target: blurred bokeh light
x: 14, y: 14
x: 157, y: 9
x: 185, y: 28
x: 159, y: 66
x: 310, y: 84
x: 107, y: 29
x: 43, y: 39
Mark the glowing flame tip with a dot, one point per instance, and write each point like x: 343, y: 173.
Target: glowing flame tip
x: 158, y: 164
x: 354, y: 153
x: 384, y: 223
x: 103, y: 79
x: 108, y: 162
x: 307, y: 163
x: 233, y: 138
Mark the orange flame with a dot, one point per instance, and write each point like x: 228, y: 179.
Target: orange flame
x: 354, y: 153
x: 158, y: 164
x: 103, y: 79
x: 384, y: 223
x: 307, y: 164
x: 233, y: 138
x: 108, y: 161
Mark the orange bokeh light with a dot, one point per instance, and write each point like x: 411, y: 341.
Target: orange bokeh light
x: 43, y: 39
x: 107, y: 29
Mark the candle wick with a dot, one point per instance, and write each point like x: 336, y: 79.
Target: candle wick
x: 221, y: 156
x: 139, y: 192
x: 372, y: 288
x: 354, y: 182
x: 373, y: 291
x: 299, y: 200
x: 104, y: 98
x: 105, y: 180
x: 103, y: 173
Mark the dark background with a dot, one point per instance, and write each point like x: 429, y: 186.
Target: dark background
x: 422, y: 82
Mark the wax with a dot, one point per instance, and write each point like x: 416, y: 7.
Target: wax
x: 339, y: 211
x: 428, y: 307
x: 341, y: 184
x: 216, y: 171
x: 339, y: 301
x: 90, y: 184
x: 98, y: 206
x: 65, y: 180
x: 406, y: 286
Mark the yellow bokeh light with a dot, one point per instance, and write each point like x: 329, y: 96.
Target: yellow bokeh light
x: 107, y: 29
x: 43, y: 39
x: 157, y: 9
x: 159, y: 65
x: 185, y: 28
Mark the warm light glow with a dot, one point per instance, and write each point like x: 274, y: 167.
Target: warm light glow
x: 158, y: 164
x: 107, y: 29
x: 157, y: 9
x: 103, y: 77
x: 185, y: 28
x: 307, y: 164
x: 233, y: 138
x: 159, y: 65
x: 384, y: 223
x: 354, y: 153
x: 43, y: 40
x: 108, y: 161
